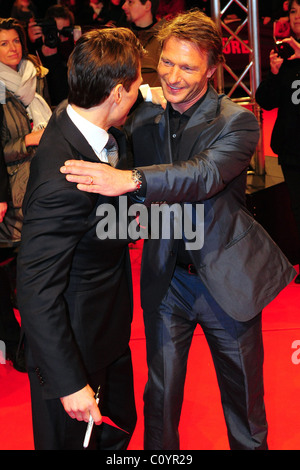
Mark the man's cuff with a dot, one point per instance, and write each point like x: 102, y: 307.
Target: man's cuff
x: 146, y: 92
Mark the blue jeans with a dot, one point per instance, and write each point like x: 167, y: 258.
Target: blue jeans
x: 237, y: 352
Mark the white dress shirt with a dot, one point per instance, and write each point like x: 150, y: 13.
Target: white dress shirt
x: 96, y: 137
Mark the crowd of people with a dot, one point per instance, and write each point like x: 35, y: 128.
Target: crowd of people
x: 42, y: 19
x: 72, y: 74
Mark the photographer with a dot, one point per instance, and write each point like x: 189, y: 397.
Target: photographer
x: 52, y: 40
x: 281, y: 90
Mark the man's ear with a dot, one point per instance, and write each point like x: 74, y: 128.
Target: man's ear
x: 118, y: 93
x: 148, y: 5
x: 210, y: 72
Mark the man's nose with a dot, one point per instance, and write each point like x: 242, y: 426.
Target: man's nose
x: 174, y: 74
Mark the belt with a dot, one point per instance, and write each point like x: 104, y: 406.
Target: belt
x: 190, y: 268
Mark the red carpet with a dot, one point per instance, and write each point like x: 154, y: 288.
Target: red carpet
x: 268, y: 120
x: 202, y: 425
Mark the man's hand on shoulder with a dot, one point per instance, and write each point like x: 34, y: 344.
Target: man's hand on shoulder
x: 98, y: 178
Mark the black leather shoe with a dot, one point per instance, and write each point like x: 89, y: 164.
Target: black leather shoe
x: 297, y: 279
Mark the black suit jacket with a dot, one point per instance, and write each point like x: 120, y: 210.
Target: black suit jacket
x: 239, y: 263
x: 74, y: 290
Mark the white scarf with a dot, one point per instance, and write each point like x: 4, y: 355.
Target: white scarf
x: 23, y: 85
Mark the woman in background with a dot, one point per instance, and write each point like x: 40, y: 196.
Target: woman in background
x: 25, y: 114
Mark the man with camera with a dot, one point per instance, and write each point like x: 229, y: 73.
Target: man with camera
x: 52, y: 40
x: 280, y: 89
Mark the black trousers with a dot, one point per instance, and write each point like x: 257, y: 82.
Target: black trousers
x: 292, y: 178
x: 54, y: 430
x: 237, y: 352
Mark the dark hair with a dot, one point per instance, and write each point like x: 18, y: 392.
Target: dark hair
x: 196, y: 27
x: 291, y: 3
x: 60, y: 11
x: 11, y: 23
x: 154, y: 6
x: 101, y: 60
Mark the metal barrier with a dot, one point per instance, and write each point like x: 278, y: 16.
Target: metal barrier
x: 253, y: 68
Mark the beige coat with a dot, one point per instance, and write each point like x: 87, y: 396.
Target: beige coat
x: 15, y: 126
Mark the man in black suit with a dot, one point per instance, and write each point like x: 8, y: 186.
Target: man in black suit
x: 74, y: 290
x: 192, y: 159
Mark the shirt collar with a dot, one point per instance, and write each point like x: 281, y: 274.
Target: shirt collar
x: 190, y: 111
x: 96, y: 137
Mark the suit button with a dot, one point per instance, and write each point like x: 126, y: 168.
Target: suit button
x: 38, y: 373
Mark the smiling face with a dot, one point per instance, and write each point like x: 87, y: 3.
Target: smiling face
x: 294, y: 16
x: 184, y: 72
x: 10, y: 48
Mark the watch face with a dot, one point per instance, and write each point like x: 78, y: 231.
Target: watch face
x: 137, y: 179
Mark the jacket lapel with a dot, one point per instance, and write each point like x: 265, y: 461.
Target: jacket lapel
x: 199, y: 121
x: 81, y: 146
x: 192, y: 134
x: 74, y: 136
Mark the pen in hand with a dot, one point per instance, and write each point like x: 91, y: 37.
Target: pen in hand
x: 90, y: 423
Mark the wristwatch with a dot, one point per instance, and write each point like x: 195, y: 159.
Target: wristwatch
x: 137, y: 178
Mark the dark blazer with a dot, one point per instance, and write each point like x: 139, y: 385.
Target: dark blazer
x: 3, y: 170
x: 3, y: 179
x: 239, y: 263
x: 74, y: 290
